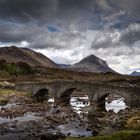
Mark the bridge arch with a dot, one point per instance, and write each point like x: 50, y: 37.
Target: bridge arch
x: 41, y: 95
x: 73, y: 93
x: 102, y: 100
x: 115, y: 93
x: 119, y: 102
x: 65, y: 96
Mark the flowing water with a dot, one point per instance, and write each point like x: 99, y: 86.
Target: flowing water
x: 80, y: 104
x: 30, y: 116
x: 9, y: 106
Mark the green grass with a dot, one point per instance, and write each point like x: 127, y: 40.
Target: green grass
x: 6, y: 91
x: 120, y: 135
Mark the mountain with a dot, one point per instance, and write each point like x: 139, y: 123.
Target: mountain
x: 14, y: 54
x: 92, y: 64
x: 135, y: 73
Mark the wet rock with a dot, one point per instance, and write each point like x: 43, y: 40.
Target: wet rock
x: 57, y: 111
x: 95, y: 132
x: 13, y: 125
x: 69, y: 134
x: 88, y: 129
x: 6, y: 84
x: 54, y: 136
x: 111, y: 111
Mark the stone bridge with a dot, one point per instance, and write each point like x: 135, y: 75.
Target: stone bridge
x: 96, y: 91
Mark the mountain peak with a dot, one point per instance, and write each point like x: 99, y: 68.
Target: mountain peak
x: 93, y: 59
x: 91, y: 56
x: 92, y: 63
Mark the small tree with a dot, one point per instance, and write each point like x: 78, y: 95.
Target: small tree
x: 24, y: 68
x: 2, y: 64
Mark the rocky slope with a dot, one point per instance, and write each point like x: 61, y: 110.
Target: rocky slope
x: 14, y: 54
x: 92, y: 64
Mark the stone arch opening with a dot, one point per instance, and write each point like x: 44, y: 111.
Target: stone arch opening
x: 77, y: 99
x: 42, y: 95
x: 102, y: 102
x: 80, y: 101
x: 113, y: 102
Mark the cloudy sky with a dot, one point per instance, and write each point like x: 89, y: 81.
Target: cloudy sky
x: 69, y: 30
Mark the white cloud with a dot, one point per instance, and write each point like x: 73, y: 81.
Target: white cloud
x: 20, y: 44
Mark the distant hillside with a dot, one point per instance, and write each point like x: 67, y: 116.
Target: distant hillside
x: 14, y: 54
x: 92, y: 64
x: 135, y: 73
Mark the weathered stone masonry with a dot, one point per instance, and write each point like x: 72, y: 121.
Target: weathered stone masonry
x: 96, y: 91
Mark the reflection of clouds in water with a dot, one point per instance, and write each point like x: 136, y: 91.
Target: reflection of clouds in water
x: 30, y: 116
x: 79, y: 104
x: 9, y: 106
x: 116, y: 105
x: 51, y: 100
x: 74, y: 129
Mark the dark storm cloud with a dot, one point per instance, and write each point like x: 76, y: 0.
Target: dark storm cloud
x: 131, y: 34
x: 40, y: 9
x: 15, y: 32
x: 126, y: 5
x: 48, y: 8
x: 44, y: 9
x: 11, y: 32
x: 23, y: 10
x: 29, y: 19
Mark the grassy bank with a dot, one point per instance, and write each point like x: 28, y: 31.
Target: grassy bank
x: 6, y: 94
x: 6, y: 91
x: 120, y: 135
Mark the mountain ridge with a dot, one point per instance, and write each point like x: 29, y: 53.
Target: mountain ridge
x: 135, y: 73
x: 33, y: 58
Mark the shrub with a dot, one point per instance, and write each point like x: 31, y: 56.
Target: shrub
x: 12, y: 69
x: 24, y: 68
x: 2, y: 64
x: 19, y: 68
